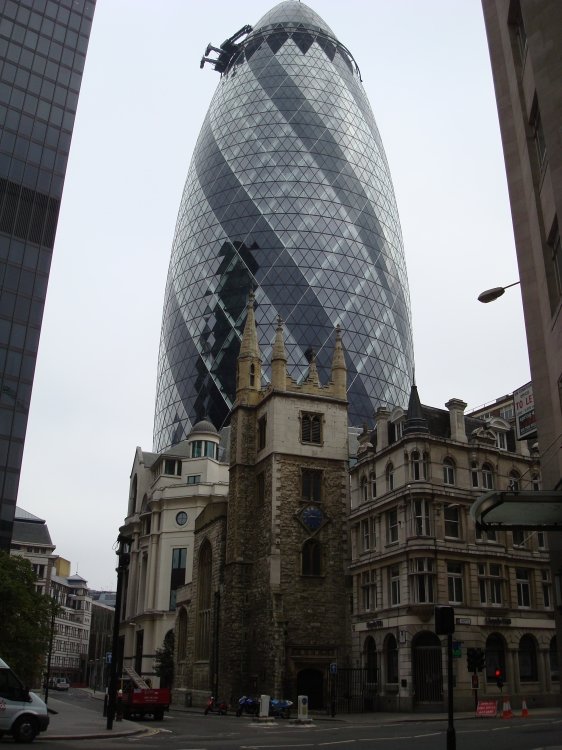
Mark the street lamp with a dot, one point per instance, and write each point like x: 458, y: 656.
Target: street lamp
x: 50, y: 654
x: 492, y: 294
x: 122, y: 552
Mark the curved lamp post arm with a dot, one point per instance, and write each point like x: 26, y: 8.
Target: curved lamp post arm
x: 492, y: 294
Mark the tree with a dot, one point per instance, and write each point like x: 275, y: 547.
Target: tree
x: 164, y: 662
x: 25, y: 618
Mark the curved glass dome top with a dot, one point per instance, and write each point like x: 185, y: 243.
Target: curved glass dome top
x: 288, y: 193
x: 292, y: 14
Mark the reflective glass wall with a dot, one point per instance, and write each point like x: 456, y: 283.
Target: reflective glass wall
x: 43, y: 46
x: 289, y: 193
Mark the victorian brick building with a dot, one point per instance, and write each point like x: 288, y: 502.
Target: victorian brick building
x: 267, y: 610
x: 414, y: 545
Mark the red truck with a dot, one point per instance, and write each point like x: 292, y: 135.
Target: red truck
x: 137, y: 699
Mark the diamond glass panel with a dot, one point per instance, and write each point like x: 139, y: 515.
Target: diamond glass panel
x: 289, y: 193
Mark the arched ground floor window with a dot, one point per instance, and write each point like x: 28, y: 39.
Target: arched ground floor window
x: 370, y: 658
x: 527, y: 656
x: 553, y: 660
x: 391, y: 654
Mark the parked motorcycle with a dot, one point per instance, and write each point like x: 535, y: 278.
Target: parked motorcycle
x: 216, y: 706
x: 280, y: 707
x: 248, y: 705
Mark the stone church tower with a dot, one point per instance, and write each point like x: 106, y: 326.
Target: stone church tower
x: 284, y: 603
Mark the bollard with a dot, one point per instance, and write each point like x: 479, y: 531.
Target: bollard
x: 264, y: 706
x: 302, y: 708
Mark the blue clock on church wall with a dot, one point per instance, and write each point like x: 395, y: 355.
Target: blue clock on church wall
x: 312, y: 517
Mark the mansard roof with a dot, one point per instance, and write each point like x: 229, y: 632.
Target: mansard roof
x: 29, y: 529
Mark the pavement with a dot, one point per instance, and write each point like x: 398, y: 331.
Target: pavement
x: 74, y: 721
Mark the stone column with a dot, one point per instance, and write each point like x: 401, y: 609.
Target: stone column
x: 513, y: 672
x: 543, y: 667
x: 151, y: 578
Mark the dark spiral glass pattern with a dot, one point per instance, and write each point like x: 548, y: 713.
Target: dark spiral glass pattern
x: 289, y: 193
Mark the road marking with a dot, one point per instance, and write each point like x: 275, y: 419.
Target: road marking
x: 384, y: 739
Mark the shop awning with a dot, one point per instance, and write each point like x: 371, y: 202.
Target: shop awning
x: 536, y: 510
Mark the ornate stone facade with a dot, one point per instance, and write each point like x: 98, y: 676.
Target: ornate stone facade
x: 414, y: 545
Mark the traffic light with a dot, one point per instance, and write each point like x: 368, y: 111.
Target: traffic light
x: 475, y: 659
x: 444, y: 620
x: 480, y: 659
x: 499, y: 678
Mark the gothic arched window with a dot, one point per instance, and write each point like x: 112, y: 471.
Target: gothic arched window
x: 311, y: 558
x: 448, y: 471
x: 389, y: 477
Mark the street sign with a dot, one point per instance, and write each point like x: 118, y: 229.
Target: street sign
x: 487, y: 708
x: 333, y: 668
x: 108, y: 657
x: 457, y: 650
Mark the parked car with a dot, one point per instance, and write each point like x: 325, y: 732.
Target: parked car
x: 23, y: 714
x: 59, y: 683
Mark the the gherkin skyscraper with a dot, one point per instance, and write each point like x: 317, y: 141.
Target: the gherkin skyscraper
x: 289, y: 193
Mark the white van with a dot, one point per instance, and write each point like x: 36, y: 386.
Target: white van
x: 22, y: 714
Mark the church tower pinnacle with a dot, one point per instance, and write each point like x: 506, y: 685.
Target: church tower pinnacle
x: 279, y: 359
x: 339, y: 370
x: 249, y: 360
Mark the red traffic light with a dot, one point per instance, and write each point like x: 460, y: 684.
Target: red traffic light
x: 498, y: 673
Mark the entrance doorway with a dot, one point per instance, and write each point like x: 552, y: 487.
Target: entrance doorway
x: 428, y: 669
x: 310, y: 682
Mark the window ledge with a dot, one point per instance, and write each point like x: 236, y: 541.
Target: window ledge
x: 423, y: 611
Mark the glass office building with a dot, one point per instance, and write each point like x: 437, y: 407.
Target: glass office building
x: 43, y: 46
x: 289, y: 193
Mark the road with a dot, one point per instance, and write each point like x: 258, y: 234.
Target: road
x: 194, y: 731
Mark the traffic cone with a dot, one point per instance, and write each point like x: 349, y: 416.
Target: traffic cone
x: 524, y: 709
x: 507, y: 713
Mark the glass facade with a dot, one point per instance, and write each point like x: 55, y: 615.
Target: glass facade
x: 289, y: 193
x: 42, y: 52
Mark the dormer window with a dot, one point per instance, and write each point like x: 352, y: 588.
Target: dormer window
x: 201, y: 448
x: 501, y: 441
x: 172, y: 467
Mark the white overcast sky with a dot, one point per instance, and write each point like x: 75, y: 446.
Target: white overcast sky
x: 426, y: 70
